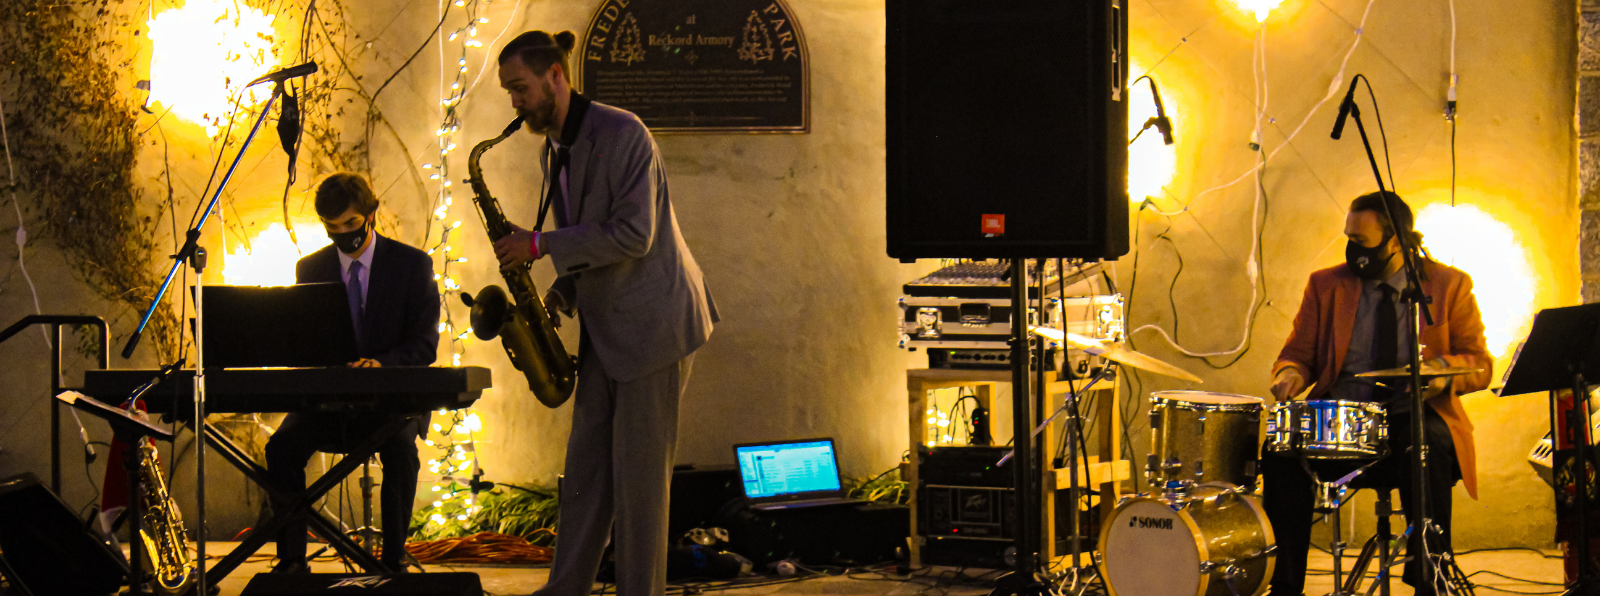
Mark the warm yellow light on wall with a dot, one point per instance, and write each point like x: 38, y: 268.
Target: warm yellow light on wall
x: 1151, y: 163
x: 201, y: 54
x: 1260, y: 8
x: 1469, y: 239
x: 270, y: 258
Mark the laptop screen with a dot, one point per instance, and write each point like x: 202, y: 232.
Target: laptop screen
x: 788, y: 468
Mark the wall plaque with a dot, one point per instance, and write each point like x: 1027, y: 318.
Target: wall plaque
x: 699, y: 66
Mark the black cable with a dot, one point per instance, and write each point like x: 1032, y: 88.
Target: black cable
x: 1172, y: 299
x: 1452, y: 160
x: 1381, y: 134
x: 1509, y: 548
x: 1515, y: 579
x: 420, y: 48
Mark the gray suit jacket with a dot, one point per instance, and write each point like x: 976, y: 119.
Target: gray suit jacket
x: 621, y: 260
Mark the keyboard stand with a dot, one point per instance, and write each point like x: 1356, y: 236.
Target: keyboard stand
x: 300, y: 502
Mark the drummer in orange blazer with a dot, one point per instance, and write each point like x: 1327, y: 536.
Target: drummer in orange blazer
x: 1349, y: 315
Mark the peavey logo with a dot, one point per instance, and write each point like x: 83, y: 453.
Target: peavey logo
x: 1159, y: 523
x: 370, y: 581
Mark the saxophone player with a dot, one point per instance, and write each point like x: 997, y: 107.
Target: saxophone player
x: 625, y: 272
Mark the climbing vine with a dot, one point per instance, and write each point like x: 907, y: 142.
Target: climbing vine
x: 74, y: 141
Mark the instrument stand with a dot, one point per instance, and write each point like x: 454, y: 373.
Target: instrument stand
x: 191, y: 254
x: 1376, y: 546
x: 300, y: 502
x: 368, y: 532
x: 1330, y: 495
x: 1417, y: 311
x: 1022, y: 581
x: 1561, y: 353
x: 133, y: 433
x: 1074, y: 426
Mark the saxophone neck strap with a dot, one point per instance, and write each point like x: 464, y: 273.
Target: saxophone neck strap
x: 577, y: 108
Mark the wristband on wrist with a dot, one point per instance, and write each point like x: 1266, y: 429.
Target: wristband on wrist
x: 533, y: 246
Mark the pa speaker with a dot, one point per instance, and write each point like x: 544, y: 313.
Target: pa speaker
x: 1007, y: 128
x: 48, y: 550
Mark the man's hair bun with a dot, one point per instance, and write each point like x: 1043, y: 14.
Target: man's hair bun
x: 566, y: 40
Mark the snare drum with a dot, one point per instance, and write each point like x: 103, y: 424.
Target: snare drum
x: 1200, y: 437
x: 1328, y: 429
x: 1217, y: 543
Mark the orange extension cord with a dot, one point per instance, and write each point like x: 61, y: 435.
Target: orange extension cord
x: 483, y: 547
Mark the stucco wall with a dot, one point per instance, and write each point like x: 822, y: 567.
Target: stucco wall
x: 789, y: 228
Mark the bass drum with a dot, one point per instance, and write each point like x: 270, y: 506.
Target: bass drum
x: 1213, y: 538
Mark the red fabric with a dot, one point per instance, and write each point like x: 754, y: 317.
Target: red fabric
x: 533, y: 247
x: 114, y: 488
x: 1322, y: 330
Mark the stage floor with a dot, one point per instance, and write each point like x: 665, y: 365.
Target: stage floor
x: 1524, y: 564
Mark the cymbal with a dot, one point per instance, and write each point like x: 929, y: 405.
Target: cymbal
x: 1117, y: 352
x: 1428, y: 372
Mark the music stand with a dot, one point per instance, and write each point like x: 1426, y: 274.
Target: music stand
x: 1561, y: 354
x: 302, y: 325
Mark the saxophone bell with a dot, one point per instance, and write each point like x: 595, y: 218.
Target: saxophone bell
x: 490, y: 309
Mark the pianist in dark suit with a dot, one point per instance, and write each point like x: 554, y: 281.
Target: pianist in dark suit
x: 395, y: 305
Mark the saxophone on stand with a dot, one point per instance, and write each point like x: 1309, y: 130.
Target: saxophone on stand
x: 520, y: 319
x: 162, y: 534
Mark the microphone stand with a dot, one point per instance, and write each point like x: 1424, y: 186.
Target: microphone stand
x: 192, y: 254
x: 1417, y: 311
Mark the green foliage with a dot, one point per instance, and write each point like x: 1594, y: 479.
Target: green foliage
x: 883, y: 488
x: 74, y: 139
x: 517, y: 512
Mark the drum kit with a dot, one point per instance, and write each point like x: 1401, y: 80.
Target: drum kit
x: 1200, y: 529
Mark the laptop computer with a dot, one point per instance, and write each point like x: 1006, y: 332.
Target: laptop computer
x: 791, y: 474
x: 304, y: 325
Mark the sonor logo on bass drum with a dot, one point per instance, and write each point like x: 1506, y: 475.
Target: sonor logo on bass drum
x: 1159, y: 523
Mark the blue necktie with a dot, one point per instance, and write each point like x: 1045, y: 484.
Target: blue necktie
x: 352, y: 290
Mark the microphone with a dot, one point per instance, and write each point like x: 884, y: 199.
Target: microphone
x: 1161, y: 122
x: 292, y: 72
x: 1345, y: 106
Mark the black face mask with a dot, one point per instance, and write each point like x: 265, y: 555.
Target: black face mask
x: 350, y: 242
x: 1367, y: 263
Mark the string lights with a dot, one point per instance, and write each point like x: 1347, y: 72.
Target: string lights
x: 453, y: 434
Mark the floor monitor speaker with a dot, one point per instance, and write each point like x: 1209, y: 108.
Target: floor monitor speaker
x: 48, y: 548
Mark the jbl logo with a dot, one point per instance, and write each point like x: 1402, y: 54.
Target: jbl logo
x: 994, y: 225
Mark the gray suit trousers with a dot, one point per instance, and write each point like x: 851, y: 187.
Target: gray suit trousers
x: 619, y: 466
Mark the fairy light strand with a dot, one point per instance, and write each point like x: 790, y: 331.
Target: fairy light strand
x: 454, y: 432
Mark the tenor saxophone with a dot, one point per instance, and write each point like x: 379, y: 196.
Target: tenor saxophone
x: 165, y: 543
x: 523, y: 325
